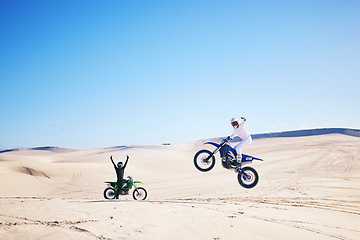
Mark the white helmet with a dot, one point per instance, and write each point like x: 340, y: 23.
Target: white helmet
x: 235, y: 122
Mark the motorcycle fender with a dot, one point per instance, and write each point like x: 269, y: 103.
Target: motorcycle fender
x: 138, y: 182
x: 249, y: 159
x: 215, y: 144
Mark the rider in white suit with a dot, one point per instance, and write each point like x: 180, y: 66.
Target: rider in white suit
x: 239, y: 130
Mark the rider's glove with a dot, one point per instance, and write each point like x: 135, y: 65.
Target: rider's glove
x: 228, y: 138
x: 243, y: 118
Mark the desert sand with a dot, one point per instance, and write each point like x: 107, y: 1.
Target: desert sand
x: 309, y: 188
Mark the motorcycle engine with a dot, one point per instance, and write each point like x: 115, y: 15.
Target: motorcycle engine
x: 225, y: 163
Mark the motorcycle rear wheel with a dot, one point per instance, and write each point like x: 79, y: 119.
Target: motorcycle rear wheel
x: 109, y: 193
x: 202, y: 161
x: 250, y: 179
x: 139, y: 193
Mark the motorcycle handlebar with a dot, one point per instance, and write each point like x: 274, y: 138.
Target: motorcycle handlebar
x: 225, y: 140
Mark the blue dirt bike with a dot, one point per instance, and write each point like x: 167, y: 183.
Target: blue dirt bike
x: 204, y: 161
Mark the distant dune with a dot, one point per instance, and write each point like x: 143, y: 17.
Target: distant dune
x: 299, y: 133
x: 45, y: 148
x: 295, y: 133
x: 310, y: 132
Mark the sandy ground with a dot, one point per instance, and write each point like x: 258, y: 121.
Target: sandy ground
x: 309, y: 188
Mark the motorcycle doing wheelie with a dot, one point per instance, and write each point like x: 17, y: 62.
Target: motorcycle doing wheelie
x: 204, y: 161
x: 139, y: 193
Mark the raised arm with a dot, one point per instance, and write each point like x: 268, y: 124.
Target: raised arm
x: 112, y: 161
x: 127, y: 158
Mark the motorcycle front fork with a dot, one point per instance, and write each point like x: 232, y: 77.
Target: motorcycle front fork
x: 212, y: 154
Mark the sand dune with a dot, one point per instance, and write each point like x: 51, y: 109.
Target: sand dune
x: 309, y: 188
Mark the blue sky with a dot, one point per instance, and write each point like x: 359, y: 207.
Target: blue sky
x: 124, y: 72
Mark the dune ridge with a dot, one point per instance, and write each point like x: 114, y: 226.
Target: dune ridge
x: 293, y: 133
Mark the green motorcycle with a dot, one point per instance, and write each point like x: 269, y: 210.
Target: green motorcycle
x: 139, y: 193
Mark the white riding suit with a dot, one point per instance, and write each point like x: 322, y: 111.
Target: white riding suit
x: 245, y: 138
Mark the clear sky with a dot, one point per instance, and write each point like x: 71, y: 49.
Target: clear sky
x: 121, y: 72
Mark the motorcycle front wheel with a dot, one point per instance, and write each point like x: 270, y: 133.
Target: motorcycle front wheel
x: 203, y: 161
x: 139, y: 193
x: 249, y: 179
x: 109, y: 193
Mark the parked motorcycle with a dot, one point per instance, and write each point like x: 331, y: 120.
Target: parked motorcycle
x: 204, y: 161
x: 139, y: 193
